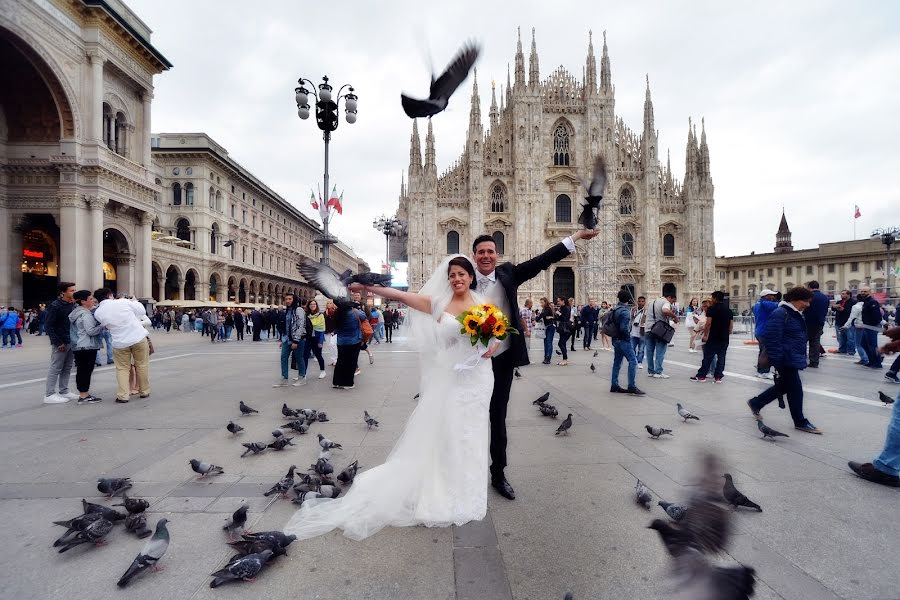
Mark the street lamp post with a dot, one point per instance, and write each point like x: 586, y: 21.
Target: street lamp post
x: 327, y: 119
x: 888, y: 236
x: 390, y: 227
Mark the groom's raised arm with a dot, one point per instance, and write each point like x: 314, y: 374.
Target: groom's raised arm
x: 529, y: 269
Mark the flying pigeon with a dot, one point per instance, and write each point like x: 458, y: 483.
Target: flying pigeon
x: 281, y: 443
x: 246, y: 410
x: 75, y: 525
x: 110, y: 514
x: 153, y: 550
x: 205, y: 468
x: 349, y: 474
x: 137, y: 524
x: 594, y: 196
x: 734, y: 497
x: 642, y: 494
x: 327, y: 444
x: 254, y: 447
x: 517, y: 374
x: 684, y: 414
x: 885, y: 398
x: 245, y: 568
x: 443, y: 87
x: 238, y: 521
x: 114, y: 486
x: 565, y: 426
x: 234, y: 428
x: 768, y: 432
x: 93, y: 533
x: 416, y: 397
x: 655, y: 432
x: 334, y: 285
x: 676, y: 512
x: 133, y: 505
x: 370, y: 420
x: 542, y: 399
x: 284, y: 484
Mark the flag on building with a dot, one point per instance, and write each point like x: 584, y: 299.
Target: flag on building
x: 335, y: 202
x: 857, y: 214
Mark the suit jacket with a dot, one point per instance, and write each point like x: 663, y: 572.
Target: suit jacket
x: 511, y: 276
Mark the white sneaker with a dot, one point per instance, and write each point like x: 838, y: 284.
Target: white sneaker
x: 55, y: 399
x: 300, y: 381
x: 322, y: 374
x: 662, y: 376
x: 692, y: 351
x: 767, y: 376
x: 69, y: 395
x: 640, y: 366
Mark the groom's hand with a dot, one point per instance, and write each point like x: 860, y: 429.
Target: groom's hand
x: 585, y: 234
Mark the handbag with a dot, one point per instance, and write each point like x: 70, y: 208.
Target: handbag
x: 150, y: 348
x: 661, y: 329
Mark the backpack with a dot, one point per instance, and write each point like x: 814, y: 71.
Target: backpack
x: 609, y: 326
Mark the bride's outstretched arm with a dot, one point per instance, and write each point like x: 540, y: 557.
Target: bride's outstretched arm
x: 415, y: 301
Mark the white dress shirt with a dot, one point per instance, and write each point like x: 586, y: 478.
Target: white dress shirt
x: 123, y: 319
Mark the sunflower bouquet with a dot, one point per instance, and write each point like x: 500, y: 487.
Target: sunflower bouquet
x: 484, y: 322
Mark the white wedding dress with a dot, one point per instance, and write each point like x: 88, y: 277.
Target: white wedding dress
x: 437, y: 473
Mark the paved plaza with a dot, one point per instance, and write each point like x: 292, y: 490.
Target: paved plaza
x: 823, y: 534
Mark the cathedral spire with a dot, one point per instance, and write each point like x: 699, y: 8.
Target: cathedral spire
x: 605, y: 74
x: 690, y: 157
x: 475, y: 110
x: 648, y: 110
x: 534, y: 71
x: 430, y: 166
x: 590, y: 78
x: 783, y: 237
x: 494, y: 113
x: 669, y: 169
x: 415, y: 152
x: 520, y: 64
x: 508, y: 87
x: 704, y: 150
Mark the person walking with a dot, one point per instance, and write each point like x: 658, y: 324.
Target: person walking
x: 85, y: 336
x: 871, y: 317
x: 589, y: 322
x: 563, y: 328
x: 256, y: 321
x: 58, y: 328
x: 390, y: 321
x: 786, y: 346
x: 123, y: 318
x: 9, y: 320
x: 716, y: 333
x: 367, y: 333
x: 315, y: 336
x: 622, y: 348
x: 761, y: 311
x: 526, y: 317
x: 575, y: 320
x: 637, y: 331
x: 547, y: 317
x: 660, y: 311
x: 293, y: 340
x: 348, y: 319
x: 842, y: 310
x: 605, y: 343
x: 815, y: 323
x: 239, y: 325
x: 377, y: 323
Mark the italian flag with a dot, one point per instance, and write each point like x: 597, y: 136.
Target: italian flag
x: 335, y: 202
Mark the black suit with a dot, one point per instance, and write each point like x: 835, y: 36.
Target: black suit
x: 511, y: 276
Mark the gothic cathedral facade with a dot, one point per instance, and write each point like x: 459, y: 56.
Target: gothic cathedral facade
x: 520, y: 183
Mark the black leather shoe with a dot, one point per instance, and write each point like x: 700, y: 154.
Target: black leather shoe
x: 504, y: 489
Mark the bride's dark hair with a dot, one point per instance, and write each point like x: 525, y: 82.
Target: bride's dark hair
x: 459, y: 261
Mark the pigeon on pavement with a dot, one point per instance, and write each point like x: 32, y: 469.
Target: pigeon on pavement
x: 133, y: 505
x: 205, y: 469
x: 542, y: 399
x: 289, y: 412
x: 93, y: 533
x: 327, y: 444
x: 246, y: 410
x: 110, y: 514
x: 642, y: 494
x: 676, y: 512
x: 233, y: 428
x: 75, y: 525
x: 594, y: 196
x: 593, y: 368
x: 349, y: 474
x: 329, y: 491
x: 281, y: 443
x: 284, y: 484
x: 245, y: 568
x: 238, y: 522
x: 137, y: 524
x: 517, y: 374
x: 596, y: 353
x: 684, y: 414
x: 297, y: 425
x: 322, y: 417
x: 885, y: 398
x: 655, y: 432
x: 443, y: 87
x: 322, y: 467
x: 153, y: 550
x: 565, y: 426
x: 245, y: 547
x: 548, y: 411
x: 767, y: 431
x: 113, y: 486
x: 734, y: 497
x: 278, y: 538
x: 370, y: 420
x: 254, y: 447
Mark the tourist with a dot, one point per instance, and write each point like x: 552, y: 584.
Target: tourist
x: 315, y: 336
x: 637, y: 331
x: 589, y: 322
x: 575, y: 320
x: 716, y: 332
x: 815, y: 323
x: 57, y: 326
x: 655, y: 338
x: 761, y: 311
x: 348, y: 320
x: 330, y: 335
x: 563, y: 328
x: 390, y: 321
x: 367, y: 333
x: 220, y: 324
x: 547, y: 317
x: 786, y: 346
x: 9, y: 321
x: 871, y: 317
x: 211, y: 319
x: 605, y: 343
x: 239, y: 324
x: 292, y: 330
x: 85, y: 336
x: 842, y: 309
x: 526, y: 317
x: 622, y: 348
x: 377, y: 322
x: 123, y: 318
x: 229, y: 324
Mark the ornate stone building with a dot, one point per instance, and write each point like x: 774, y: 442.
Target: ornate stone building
x: 519, y: 181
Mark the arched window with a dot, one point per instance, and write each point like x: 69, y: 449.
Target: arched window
x: 214, y: 238
x: 563, y: 209
x: 189, y: 194
x: 212, y: 197
x: 219, y: 201
x: 561, y: 146
x: 627, y: 245
x: 121, y: 126
x: 176, y: 194
x: 497, y: 204
x: 108, y: 136
x: 668, y: 245
x: 183, y: 229
x: 626, y: 201
x: 499, y: 241
x: 452, y: 242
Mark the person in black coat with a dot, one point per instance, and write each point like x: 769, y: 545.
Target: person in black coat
x: 501, y: 283
x: 257, y: 318
x: 239, y: 324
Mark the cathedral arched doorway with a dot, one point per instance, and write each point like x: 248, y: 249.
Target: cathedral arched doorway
x: 116, y: 262
x: 563, y: 283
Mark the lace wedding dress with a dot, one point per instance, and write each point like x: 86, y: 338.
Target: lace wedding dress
x: 437, y: 473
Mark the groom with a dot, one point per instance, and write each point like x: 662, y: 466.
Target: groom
x: 500, y: 285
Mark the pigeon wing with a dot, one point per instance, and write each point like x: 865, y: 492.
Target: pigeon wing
x: 456, y: 73
x: 323, y: 278
x: 598, y: 178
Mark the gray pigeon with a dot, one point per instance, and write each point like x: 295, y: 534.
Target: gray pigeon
x: 596, y: 353
x: 233, y: 428
x: 276, y: 537
x: 642, y: 494
x: 322, y: 467
x: 657, y: 431
x: 369, y: 419
x: 329, y: 491
x: 153, y: 550
x: 281, y: 443
x: 327, y: 444
x: 734, y: 497
x: 767, y: 431
x: 110, y: 514
x: 289, y: 412
x: 322, y: 417
x: 205, y: 468
x: 245, y: 568
x: 593, y: 368
x: 304, y: 496
x: 569, y: 596
x: 136, y: 523
x: 246, y: 410
x: 349, y: 474
x: 75, y: 525
x: 284, y: 484
x: 93, y: 533
x: 594, y: 197
x: 684, y: 414
x: 245, y: 547
x: 548, y: 411
x: 113, y: 486
x: 517, y: 374
x: 565, y: 426
x: 238, y: 521
x: 887, y: 400
x: 443, y: 87
x: 542, y: 399
x: 133, y: 505
x: 254, y: 447
x: 297, y: 425
x: 676, y: 512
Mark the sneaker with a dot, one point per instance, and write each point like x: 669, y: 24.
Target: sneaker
x: 282, y: 383
x: 717, y: 380
x: 615, y: 389
x: 144, y: 396
x: 892, y: 377
x: 698, y: 379
x: 70, y: 396
x: 767, y: 376
x: 869, y: 472
x: 92, y: 399
x: 55, y: 399
x: 82, y: 401
x: 371, y: 360
x: 640, y: 366
x: 651, y: 375
x: 692, y: 351
x: 357, y: 372
x: 321, y: 374
x: 634, y: 391
x: 300, y: 381
x: 809, y: 428
x: 662, y: 376
x: 761, y: 376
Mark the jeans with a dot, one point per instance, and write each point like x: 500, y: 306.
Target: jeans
x: 637, y: 344
x: 656, y: 353
x: 846, y: 341
x: 84, y: 367
x: 563, y: 338
x: 789, y: 383
x: 107, y: 341
x: 549, y: 331
x: 298, y: 358
x: 139, y: 354
x: 814, y: 333
x: 60, y: 369
x: 713, y: 351
x: 856, y: 335
x: 588, y: 334
x: 889, y: 459
x: 895, y: 365
x: 11, y: 334
x: 870, y: 346
x: 622, y: 349
x: 228, y: 329
x: 762, y: 361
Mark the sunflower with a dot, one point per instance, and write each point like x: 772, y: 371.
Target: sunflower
x: 499, y: 329
x: 470, y: 324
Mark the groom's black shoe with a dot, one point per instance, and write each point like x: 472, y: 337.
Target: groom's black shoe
x: 503, y: 488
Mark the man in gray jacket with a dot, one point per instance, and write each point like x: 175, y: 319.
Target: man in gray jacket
x: 293, y: 340
x: 61, y: 358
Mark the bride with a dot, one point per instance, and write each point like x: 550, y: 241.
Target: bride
x: 437, y: 473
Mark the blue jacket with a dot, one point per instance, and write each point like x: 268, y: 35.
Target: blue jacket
x: 623, y: 321
x: 818, y: 308
x: 347, y: 327
x: 786, y: 338
x: 9, y: 320
x: 761, y: 312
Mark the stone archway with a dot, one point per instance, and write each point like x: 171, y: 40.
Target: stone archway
x: 173, y: 283
x: 39, y: 259
x: 157, y: 282
x: 253, y: 297
x: 242, y: 292
x: 118, y: 262
x: 191, y: 281
x: 563, y: 283
x: 214, y: 291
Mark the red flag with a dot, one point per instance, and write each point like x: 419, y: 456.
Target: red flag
x: 857, y: 214
x: 335, y: 202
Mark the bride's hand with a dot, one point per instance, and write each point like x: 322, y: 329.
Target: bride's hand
x: 491, y: 350
x: 356, y: 287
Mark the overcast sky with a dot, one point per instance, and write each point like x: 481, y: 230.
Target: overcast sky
x: 800, y: 98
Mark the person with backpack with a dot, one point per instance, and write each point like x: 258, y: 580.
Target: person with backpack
x: 293, y: 340
x: 617, y: 325
x: 658, y: 330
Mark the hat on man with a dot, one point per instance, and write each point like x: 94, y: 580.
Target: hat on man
x: 766, y: 292
x: 82, y: 295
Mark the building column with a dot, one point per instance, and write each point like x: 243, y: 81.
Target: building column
x: 143, y: 286
x: 95, y: 240
x: 96, y: 94
x: 76, y: 266
x: 161, y: 284
x: 147, y: 98
x: 201, y: 290
x: 11, y: 269
x: 125, y: 274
